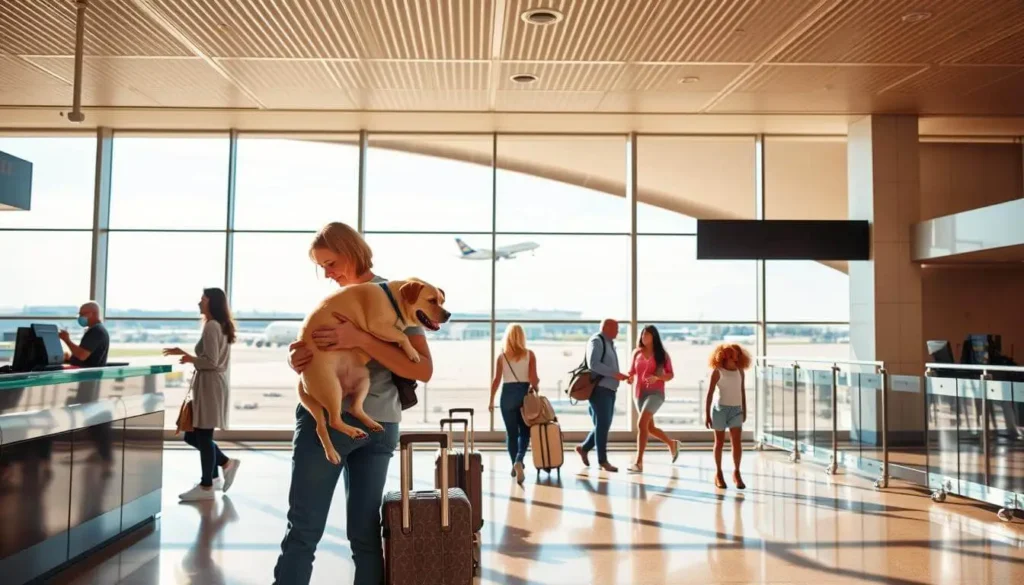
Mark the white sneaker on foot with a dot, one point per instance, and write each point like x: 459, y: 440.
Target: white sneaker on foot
x: 520, y: 472
x: 218, y: 484
x: 197, y: 494
x: 229, y: 472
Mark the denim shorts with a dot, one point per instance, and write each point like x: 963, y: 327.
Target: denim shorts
x: 725, y: 417
x: 650, y: 402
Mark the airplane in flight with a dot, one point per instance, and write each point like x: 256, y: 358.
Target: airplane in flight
x: 504, y: 252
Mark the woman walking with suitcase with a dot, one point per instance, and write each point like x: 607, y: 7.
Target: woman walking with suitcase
x: 515, y: 371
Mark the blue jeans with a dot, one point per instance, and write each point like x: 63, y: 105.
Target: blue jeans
x: 602, y: 409
x: 210, y: 455
x: 313, y: 482
x: 517, y: 433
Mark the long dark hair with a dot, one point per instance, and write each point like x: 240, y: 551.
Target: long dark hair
x: 657, y: 347
x: 219, y: 311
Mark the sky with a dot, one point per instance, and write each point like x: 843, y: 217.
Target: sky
x: 296, y: 185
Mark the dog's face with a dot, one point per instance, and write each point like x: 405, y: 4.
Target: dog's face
x: 423, y: 303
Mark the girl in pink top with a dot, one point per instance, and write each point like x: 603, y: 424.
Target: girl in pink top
x: 650, y: 370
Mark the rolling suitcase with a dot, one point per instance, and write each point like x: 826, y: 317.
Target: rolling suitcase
x: 546, y: 444
x: 466, y: 472
x: 428, y: 537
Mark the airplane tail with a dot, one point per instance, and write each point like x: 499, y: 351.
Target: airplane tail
x: 466, y: 250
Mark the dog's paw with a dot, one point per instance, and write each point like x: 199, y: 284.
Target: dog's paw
x: 414, y: 356
x: 374, y: 426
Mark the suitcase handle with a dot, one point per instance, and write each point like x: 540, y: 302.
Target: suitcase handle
x: 451, y: 422
x: 407, y: 440
x: 472, y: 424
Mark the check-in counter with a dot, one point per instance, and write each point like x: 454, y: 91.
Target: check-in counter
x: 81, y: 463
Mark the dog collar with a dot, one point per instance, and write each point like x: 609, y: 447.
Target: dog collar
x: 394, y: 303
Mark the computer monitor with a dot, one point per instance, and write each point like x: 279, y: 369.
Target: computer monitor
x: 35, y: 347
x: 940, y: 351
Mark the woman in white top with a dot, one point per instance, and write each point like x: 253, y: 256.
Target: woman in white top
x: 516, y: 371
x: 729, y: 410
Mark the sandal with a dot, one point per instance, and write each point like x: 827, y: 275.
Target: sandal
x: 736, y: 479
x: 673, y: 448
x: 720, y: 481
x: 636, y: 468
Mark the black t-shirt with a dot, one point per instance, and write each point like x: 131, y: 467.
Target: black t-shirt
x: 97, y: 341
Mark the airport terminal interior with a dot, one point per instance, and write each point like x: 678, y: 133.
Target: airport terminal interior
x: 643, y: 193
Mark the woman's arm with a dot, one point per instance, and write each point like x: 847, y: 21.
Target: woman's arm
x: 668, y: 373
x: 711, y: 394
x: 496, y: 382
x: 743, y: 393
x: 393, y: 357
x: 534, y: 380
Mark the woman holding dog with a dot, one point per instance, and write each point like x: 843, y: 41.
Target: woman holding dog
x: 516, y: 372
x: 346, y: 259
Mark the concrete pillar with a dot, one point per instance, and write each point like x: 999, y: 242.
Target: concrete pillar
x: 885, y: 292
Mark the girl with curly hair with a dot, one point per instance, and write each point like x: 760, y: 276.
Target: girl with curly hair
x: 726, y: 409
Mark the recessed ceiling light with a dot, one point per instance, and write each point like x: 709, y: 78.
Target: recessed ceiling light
x: 739, y: 31
x: 915, y: 17
x: 541, y: 16
x: 690, y: 79
x: 524, y: 78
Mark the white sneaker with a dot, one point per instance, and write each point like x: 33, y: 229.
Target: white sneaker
x: 229, y: 472
x: 520, y: 474
x: 218, y: 484
x: 197, y: 494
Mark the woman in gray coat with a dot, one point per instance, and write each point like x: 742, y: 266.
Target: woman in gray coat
x: 210, y: 394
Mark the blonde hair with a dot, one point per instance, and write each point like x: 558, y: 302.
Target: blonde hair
x: 341, y: 239
x: 515, y: 342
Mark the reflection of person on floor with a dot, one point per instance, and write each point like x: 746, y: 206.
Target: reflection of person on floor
x: 726, y: 409
x: 719, y: 562
x: 198, y: 562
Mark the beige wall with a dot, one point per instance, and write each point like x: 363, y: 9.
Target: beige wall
x: 959, y: 300
x: 805, y: 178
x: 957, y: 177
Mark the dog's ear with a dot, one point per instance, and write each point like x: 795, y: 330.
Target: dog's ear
x: 443, y: 296
x: 411, y: 291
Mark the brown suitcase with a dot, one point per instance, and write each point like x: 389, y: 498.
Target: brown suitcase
x: 428, y: 537
x: 546, y: 444
x: 465, y: 472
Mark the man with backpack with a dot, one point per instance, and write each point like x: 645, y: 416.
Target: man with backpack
x: 603, y: 363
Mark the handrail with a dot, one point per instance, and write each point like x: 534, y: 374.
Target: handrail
x: 974, y: 367
x: 764, y: 358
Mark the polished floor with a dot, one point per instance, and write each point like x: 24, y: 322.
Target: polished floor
x: 793, y: 525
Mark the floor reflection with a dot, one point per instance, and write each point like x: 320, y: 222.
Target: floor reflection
x: 667, y: 525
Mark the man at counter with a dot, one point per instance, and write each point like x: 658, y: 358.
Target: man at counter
x: 92, y: 352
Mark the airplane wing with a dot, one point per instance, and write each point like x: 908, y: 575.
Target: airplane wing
x: 508, y: 251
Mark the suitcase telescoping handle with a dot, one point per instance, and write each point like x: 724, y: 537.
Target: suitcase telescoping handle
x: 406, y: 441
x: 472, y: 425
x: 451, y: 422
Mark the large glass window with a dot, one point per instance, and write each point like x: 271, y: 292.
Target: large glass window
x: 63, y: 172
x: 562, y: 184
x: 684, y: 178
x: 799, y: 340
x: 296, y: 183
x: 274, y: 277
x: 169, y: 182
x: 32, y: 285
x: 807, y: 290
x: 429, y: 183
x: 161, y: 273
x: 673, y: 285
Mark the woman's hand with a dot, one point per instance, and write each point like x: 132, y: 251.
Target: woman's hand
x: 299, y: 356
x: 173, y: 351
x: 651, y: 380
x: 186, y: 359
x: 344, y: 335
x: 744, y: 415
x: 707, y: 420
x: 630, y: 380
x: 490, y: 406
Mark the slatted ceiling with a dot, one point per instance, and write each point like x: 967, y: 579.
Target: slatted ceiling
x: 801, y: 79
x: 874, y: 32
x: 288, y: 29
x: 427, y: 29
x: 717, y: 30
x: 305, y: 84
x: 560, y: 76
x: 666, y: 78
x: 655, y: 102
x: 21, y: 84
x: 592, y: 30
x: 1005, y: 48
x: 425, y: 75
x: 426, y: 100
x: 113, y: 28
x: 956, y: 80
x: 813, y: 103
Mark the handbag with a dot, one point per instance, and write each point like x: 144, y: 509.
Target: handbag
x: 583, y: 381
x: 536, y: 409
x: 186, y: 419
x: 406, y: 391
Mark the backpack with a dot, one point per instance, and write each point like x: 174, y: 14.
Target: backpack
x: 582, y: 380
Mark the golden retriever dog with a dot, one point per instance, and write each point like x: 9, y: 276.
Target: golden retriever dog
x: 333, y: 376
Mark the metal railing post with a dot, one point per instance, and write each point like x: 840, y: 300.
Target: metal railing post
x: 985, y: 377
x: 795, y: 457
x: 883, y: 480
x: 833, y: 464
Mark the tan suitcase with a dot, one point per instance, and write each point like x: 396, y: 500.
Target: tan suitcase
x: 546, y: 444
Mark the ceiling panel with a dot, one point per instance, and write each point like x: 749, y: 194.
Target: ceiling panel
x: 874, y: 31
x: 548, y: 101
x: 113, y: 28
x: 595, y: 30
x: 425, y: 100
x: 560, y: 77
x: 171, y: 82
x: 670, y: 78
x: 801, y: 79
x: 412, y: 75
x: 427, y: 29
x: 303, y: 85
x: 655, y: 102
x: 22, y: 84
x: 717, y: 30
x: 267, y: 28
